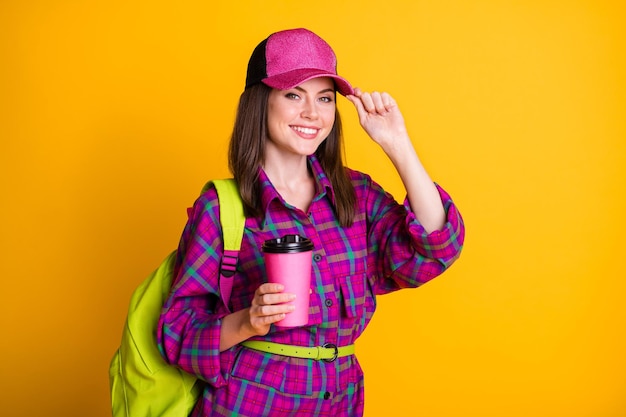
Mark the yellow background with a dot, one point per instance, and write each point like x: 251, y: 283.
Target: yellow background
x: 114, y: 113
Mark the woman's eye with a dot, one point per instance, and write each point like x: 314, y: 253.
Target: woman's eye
x: 292, y: 96
x: 326, y: 99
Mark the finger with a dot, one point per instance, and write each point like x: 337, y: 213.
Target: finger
x: 264, y: 321
x: 355, y: 95
x: 269, y: 288
x: 358, y: 105
x: 378, y: 102
x: 368, y: 102
x: 388, y: 102
x: 270, y: 310
x: 275, y: 298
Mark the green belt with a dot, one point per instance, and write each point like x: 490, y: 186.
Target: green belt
x: 328, y: 352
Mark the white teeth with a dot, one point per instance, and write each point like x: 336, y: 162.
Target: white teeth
x: 305, y: 130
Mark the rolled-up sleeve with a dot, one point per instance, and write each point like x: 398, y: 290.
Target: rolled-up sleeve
x: 445, y: 244
x: 402, y: 253
x: 189, y: 327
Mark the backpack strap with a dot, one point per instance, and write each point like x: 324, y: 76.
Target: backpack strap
x: 233, y: 221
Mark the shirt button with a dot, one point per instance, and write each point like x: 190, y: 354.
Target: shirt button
x: 328, y: 302
x: 327, y: 395
x: 317, y: 257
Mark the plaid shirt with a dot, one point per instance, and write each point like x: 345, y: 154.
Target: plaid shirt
x: 385, y: 249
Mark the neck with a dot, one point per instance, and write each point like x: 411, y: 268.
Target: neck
x: 286, y: 171
x: 293, y: 181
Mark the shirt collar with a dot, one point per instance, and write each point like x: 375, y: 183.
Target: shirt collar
x: 323, y: 185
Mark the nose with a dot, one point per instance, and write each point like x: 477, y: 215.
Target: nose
x: 309, y: 109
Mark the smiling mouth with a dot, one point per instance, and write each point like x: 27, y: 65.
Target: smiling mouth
x: 305, y: 130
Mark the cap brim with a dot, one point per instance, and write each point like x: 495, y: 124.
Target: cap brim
x: 294, y: 78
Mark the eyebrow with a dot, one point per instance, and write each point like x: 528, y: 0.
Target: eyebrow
x: 331, y: 90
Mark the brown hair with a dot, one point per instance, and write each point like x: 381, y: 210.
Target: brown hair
x: 247, y: 147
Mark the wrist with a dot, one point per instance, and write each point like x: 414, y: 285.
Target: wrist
x: 245, y: 328
x: 235, y: 329
x: 399, y: 149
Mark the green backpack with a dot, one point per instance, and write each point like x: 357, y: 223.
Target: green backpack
x: 142, y: 383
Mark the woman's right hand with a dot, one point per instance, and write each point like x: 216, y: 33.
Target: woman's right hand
x: 268, y: 306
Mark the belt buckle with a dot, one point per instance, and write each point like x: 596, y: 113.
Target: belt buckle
x: 331, y: 346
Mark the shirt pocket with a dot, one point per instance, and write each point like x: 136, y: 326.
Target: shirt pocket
x: 281, y: 373
x: 354, y: 295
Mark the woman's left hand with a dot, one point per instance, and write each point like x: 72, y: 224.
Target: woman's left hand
x: 380, y: 117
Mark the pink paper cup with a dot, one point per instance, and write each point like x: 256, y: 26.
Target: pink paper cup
x: 288, y: 262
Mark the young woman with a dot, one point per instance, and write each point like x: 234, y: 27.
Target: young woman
x: 285, y: 154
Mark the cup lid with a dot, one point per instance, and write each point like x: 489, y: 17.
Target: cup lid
x: 288, y: 244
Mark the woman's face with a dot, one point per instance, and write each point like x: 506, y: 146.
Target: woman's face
x: 299, y: 119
